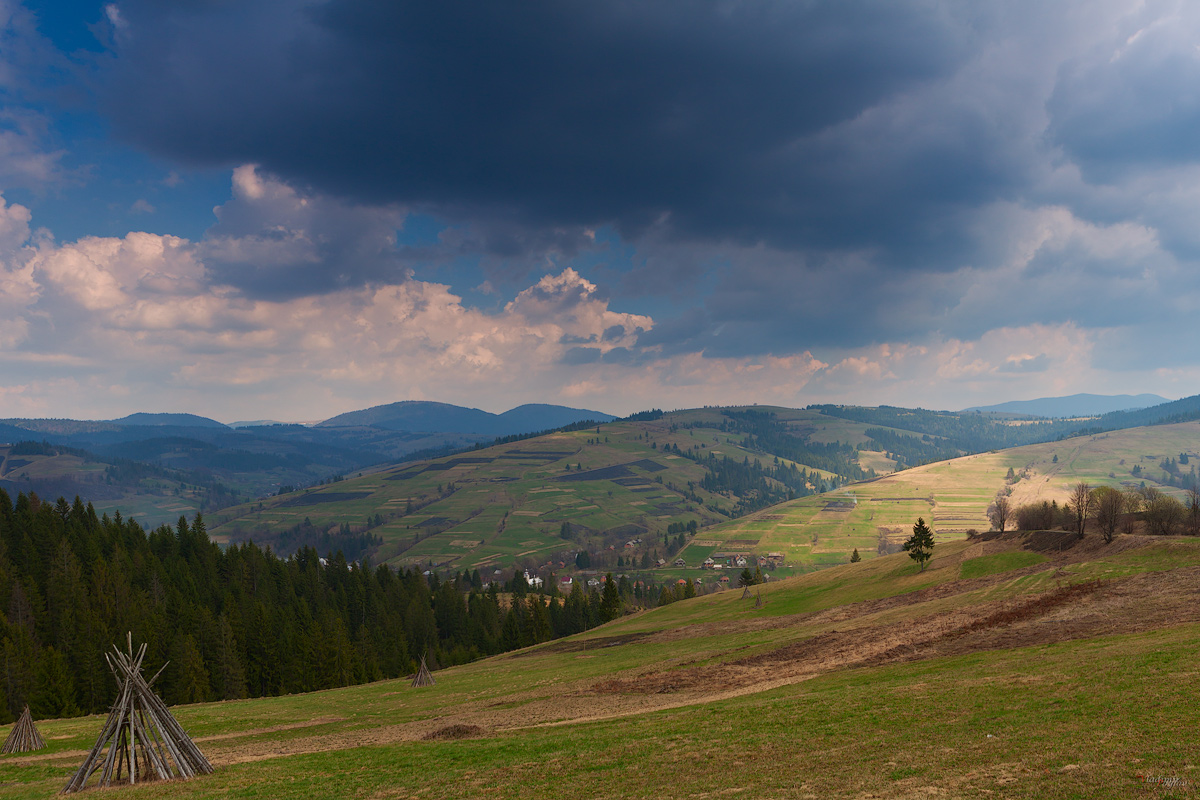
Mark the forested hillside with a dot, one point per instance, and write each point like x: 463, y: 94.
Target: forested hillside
x: 239, y: 621
x: 920, y: 436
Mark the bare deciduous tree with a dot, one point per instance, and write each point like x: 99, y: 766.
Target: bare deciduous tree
x: 1163, y: 514
x: 1193, y: 510
x: 1108, y: 504
x: 1080, y: 505
x: 1133, y: 507
x: 1000, y: 511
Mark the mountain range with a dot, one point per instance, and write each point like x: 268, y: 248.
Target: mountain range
x: 1075, y: 405
x: 257, y: 459
x: 427, y: 417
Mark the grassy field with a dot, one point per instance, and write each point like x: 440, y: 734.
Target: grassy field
x: 506, y: 504
x: 1038, y: 666
x: 952, y: 496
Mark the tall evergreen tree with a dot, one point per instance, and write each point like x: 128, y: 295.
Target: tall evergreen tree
x: 610, y: 602
x: 920, y: 544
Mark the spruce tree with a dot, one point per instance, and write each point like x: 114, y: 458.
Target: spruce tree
x: 610, y: 602
x: 920, y: 544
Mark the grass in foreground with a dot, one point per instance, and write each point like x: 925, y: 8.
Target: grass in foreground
x: 1089, y: 717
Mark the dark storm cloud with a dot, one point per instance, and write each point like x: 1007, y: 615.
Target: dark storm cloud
x: 273, y: 242
x: 559, y: 114
x: 1132, y: 100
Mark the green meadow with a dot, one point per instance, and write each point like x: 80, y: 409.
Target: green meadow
x: 952, y: 496
x: 506, y: 504
x: 1027, y: 665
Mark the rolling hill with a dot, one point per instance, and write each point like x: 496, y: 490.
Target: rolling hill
x: 257, y: 459
x: 1025, y: 665
x: 952, y: 496
x: 541, y: 500
x: 427, y: 417
x: 1076, y: 405
x: 624, y: 481
x: 172, y: 420
x: 705, y: 459
x: 151, y: 494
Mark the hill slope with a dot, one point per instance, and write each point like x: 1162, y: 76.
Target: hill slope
x: 614, y: 491
x: 427, y: 417
x: 1012, y: 666
x: 952, y: 496
x: 152, y: 494
x: 174, y: 420
x: 1076, y: 405
x: 633, y: 480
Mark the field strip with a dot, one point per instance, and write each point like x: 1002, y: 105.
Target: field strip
x: 763, y: 686
x: 272, y: 729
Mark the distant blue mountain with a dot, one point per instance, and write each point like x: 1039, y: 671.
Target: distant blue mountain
x: 173, y: 420
x: 1076, y: 405
x: 418, y: 416
x: 540, y: 417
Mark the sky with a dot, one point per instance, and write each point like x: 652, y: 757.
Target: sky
x: 287, y: 209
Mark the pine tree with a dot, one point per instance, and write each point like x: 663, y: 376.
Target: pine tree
x: 610, y: 603
x: 855, y: 557
x: 920, y: 544
x: 230, y: 676
x: 53, y: 688
x: 539, y: 621
x: 190, y: 681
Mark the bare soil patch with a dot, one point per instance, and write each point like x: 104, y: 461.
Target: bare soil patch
x: 455, y: 731
x: 848, y: 636
x: 1146, y: 601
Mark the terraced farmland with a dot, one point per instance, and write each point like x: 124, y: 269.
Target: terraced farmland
x: 508, y: 504
x: 952, y: 496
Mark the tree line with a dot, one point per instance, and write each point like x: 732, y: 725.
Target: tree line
x: 238, y: 621
x: 1104, y: 509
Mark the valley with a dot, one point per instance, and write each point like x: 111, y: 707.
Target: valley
x: 1006, y: 666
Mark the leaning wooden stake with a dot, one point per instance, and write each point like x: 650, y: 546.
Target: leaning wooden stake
x: 144, y: 741
x: 423, y: 676
x: 24, y: 737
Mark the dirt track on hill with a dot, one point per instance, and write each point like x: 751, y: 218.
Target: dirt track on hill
x: 847, y: 637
